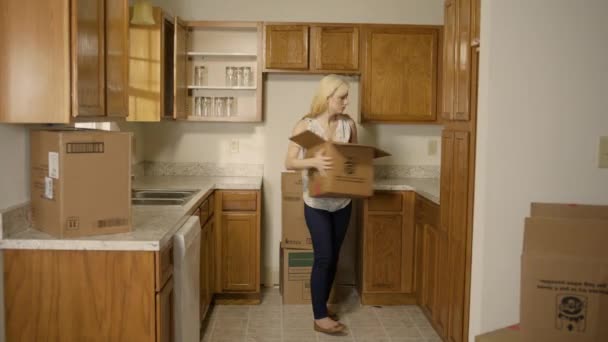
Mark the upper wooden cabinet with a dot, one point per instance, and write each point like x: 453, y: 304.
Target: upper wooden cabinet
x: 335, y: 47
x: 286, y: 47
x: 461, y: 27
x: 312, y: 48
x: 399, y: 73
x: 63, y: 60
x: 151, y: 69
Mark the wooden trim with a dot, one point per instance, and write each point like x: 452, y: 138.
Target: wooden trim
x: 163, y: 265
x: 311, y: 72
x: 259, y: 73
x: 222, y: 24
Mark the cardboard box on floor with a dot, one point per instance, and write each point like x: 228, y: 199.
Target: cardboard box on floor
x: 81, y: 182
x: 508, y: 334
x: 294, y: 285
x: 564, y: 282
x: 294, y: 232
x: 352, y: 173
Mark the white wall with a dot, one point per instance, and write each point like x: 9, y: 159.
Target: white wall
x: 14, y: 158
x: 542, y: 107
x: 287, y: 98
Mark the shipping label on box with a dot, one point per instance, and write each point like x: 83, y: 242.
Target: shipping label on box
x: 564, y: 283
x: 352, y: 172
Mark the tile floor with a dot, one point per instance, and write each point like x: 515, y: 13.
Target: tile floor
x: 273, y: 322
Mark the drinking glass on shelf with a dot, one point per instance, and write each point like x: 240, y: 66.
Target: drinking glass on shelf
x: 199, y: 75
x: 229, y: 76
x: 230, y: 106
x: 247, y: 80
x: 239, y: 76
x: 207, y: 106
x: 220, y: 106
x: 198, y: 106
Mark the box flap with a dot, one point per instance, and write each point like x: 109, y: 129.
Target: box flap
x: 378, y: 153
x: 571, y: 237
x: 307, y: 139
x: 580, y: 211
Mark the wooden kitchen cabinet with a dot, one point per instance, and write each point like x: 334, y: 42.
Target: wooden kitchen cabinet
x: 286, y: 46
x: 335, y: 47
x: 63, y: 60
x: 388, y: 249
x: 165, y: 301
x: 399, y: 76
x: 207, y: 257
x: 151, y: 72
x: 311, y: 48
x: 88, y: 295
x: 237, y: 246
x: 224, y: 49
x: 461, y: 27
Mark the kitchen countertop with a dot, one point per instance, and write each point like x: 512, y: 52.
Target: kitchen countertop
x: 426, y: 187
x: 153, y: 226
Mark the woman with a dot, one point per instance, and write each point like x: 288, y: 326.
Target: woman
x: 327, y: 218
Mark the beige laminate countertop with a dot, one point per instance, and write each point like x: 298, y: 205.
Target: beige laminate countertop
x: 426, y: 187
x: 153, y: 226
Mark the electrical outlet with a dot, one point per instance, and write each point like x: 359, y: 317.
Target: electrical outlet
x: 234, y: 146
x: 603, y: 153
x: 431, y: 149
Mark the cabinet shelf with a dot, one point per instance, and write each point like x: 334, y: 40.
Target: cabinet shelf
x: 243, y: 118
x: 221, y: 87
x: 221, y: 54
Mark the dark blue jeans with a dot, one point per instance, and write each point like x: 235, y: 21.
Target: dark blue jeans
x: 327, y: 230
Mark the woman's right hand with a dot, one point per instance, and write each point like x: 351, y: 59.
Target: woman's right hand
x: 321, y: 162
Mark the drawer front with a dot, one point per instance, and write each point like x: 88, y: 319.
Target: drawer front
x: 239, y: 201
x: 385, y: 201
x: 426, y: 211
x: 205, y: 212
x: 164, y: 265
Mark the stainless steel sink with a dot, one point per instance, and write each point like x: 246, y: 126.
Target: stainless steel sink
x: 161, y: 196
x: 157, y: 201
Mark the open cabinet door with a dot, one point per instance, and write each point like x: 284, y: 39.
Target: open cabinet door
x: 180, y: 88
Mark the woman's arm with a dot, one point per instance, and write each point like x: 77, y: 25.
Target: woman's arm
x: 354, y: 137
x: 292, y: 160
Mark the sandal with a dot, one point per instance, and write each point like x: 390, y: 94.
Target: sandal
x: 338, y: 330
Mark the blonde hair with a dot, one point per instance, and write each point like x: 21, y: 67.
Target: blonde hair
x: 329, y: 85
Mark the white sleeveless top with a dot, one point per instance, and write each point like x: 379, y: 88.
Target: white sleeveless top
x: 342, y: 135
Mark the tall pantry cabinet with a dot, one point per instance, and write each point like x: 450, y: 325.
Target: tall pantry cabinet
x: 63, y: 60
x: 450, y: 310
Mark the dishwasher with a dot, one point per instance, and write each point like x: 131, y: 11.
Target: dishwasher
x: 186, y: 258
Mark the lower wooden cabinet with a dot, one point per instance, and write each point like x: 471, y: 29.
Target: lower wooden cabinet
x: 388, y: 249
x: 237, y: 246
x: 165, y: 320
x: 87, y: 296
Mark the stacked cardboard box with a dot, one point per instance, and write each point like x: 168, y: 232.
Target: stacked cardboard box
x: 294, y: 233
x: 80, y: 182
x: 564, y: 282
x: 296, y: 248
